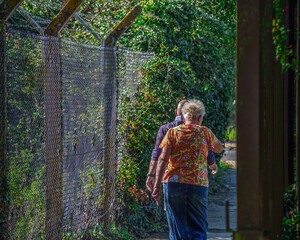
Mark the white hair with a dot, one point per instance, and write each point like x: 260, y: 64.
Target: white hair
x: 193, y: 109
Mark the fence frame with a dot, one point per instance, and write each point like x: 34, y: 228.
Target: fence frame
x: 110, y: 110
x: 53, y: 112
x: 53, y: 121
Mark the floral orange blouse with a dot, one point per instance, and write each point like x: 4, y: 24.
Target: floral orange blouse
x: 189, y: 149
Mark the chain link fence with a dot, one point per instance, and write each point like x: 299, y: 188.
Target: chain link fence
x: 62, y: 132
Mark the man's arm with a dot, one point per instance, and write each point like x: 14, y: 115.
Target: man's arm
x: 154, y: 159
x: 151, y: 175
x: 157, y: 151
x: 160, y: 170
x: 211, y: 157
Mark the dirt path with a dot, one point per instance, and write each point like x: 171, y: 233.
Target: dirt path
x: 217, y: 199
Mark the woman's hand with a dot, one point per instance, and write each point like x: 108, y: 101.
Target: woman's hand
x: 156, y: 194
x: 214, y: 168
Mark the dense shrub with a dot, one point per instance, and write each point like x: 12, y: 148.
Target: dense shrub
x: 194, y: 59
x: 292, y: 215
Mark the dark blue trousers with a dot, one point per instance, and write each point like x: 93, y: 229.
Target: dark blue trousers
x: 186, y: 209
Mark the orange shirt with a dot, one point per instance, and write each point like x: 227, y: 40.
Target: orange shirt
x: 189, y: 146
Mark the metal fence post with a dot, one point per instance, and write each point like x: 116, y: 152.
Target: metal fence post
x: 53, y: 144
x: 110, y: 111
x: 110, y: 114
x: 53, y: 118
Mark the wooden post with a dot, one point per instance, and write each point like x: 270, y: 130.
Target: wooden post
x: 53, y: 118
x: 227, y: 213
x: 121, y: 28
x: 291, y: 95
x: 61, y: 19
x: 7, y: 8
x: 261, y: 156
x: 87, y: 26
x: 110, y: 111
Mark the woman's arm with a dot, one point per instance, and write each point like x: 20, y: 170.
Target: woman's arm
x: 218, y: 147
x: 160, y: 170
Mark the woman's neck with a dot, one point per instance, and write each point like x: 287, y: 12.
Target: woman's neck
x: 191, y: 122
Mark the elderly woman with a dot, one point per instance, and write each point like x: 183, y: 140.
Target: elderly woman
x: 184, y: 150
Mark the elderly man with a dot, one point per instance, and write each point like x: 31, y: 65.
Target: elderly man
x: 157, y: 151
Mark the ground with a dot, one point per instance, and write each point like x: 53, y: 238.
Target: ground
x: 217, y: 199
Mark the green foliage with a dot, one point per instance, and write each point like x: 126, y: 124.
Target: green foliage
x: 231, y: 134
x: 292, y: 215
x: 223, y: 166
x: 284, y: 53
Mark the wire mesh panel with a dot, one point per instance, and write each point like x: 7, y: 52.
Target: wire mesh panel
x: 62, y: 133
x: 83, y: 122
x: 129, y: 71
x: 26, y: 176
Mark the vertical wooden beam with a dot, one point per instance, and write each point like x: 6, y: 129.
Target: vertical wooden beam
x: 53, y: 121
x: 298, y: 105
x: 7, y: 7
x: 110, y: 111
x: 248, y: 118
x: 291, y: 104
x: 261, y: 157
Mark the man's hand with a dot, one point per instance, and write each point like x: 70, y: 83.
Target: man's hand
x: 156, y: 195
x: 150, y: 183
x: 151, y: 173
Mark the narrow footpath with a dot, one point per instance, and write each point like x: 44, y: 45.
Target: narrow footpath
x: 217, y: 201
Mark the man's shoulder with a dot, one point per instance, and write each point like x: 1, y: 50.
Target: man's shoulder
x: 170, y: 125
